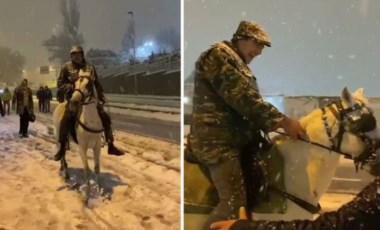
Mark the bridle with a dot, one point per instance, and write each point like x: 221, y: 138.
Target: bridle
x: 90, y: 87
x: 359, y: 127
x: 89, y: 96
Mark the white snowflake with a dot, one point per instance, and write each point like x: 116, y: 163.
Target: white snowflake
x: 243, y: 14
x: 340, y: 77
x: 331, y: 56
x: 352, y: 56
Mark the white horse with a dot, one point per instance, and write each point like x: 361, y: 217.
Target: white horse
x: 89, y: 126
x: 309, y: 168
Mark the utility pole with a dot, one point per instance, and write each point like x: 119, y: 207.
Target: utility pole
x: 133, y: 34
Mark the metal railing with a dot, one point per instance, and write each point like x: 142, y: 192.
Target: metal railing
x: 168, y: 65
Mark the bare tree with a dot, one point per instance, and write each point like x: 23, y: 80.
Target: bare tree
x: 104, y: 57
x: 59, y: 45
x: 11, y: 65
x: 128, y: 42
x: 169, y: 39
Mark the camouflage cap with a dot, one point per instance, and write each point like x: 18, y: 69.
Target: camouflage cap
x: 252, y: 30
x: 76, y: 49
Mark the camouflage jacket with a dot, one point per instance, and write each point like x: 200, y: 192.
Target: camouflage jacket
x: 227, y: 106
x: 361, y: 213
x: 68, y: 76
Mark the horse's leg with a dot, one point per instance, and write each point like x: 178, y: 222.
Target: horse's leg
x: 64, y: 169
x: 96, y: 150
x: 83, y: 155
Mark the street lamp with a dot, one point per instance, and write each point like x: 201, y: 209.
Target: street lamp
x: 133, y: 34
x: 134, y: 47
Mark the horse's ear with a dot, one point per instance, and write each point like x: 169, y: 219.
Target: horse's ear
x: 347, y: 97
x: 359, y: 93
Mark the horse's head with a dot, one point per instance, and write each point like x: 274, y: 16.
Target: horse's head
x: 351, y: 128
x: 84, y: 89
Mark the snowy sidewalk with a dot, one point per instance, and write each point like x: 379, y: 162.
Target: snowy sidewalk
x: 143, y: 187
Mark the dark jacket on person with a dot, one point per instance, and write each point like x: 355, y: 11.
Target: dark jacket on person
x: 18, y: 100
x: 40, y: 94
x: 361, y: 213
x: 2, y: 112
x: 69, y: 74
x: 48, y: 94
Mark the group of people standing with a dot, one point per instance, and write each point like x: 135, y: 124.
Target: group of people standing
x: 44, y: 96
x: 22, y: 102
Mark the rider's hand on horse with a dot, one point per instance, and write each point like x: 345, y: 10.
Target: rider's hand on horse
x: 226, y: 224
x: 293, y: 128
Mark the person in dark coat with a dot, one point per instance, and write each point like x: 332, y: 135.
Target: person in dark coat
x: 2, y: 112
x: 41, y: 98
x: 48, y: 96
x: 66, y: 81
x: 363, y: 212
x: 23, y: 103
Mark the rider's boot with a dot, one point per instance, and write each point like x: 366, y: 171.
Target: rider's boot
x: 106, y: 122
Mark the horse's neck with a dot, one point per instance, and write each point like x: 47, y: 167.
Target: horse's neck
x: 309, y: 168
x: 90, y: 115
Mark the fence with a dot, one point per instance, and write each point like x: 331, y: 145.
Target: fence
x: 160, y: 79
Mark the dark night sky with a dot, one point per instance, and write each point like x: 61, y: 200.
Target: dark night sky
x: 24, y: 24
x: 318, y: 46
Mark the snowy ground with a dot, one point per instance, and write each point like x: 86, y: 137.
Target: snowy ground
x: 142, y: 188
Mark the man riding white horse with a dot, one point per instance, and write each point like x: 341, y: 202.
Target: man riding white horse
x: 66, y: 80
